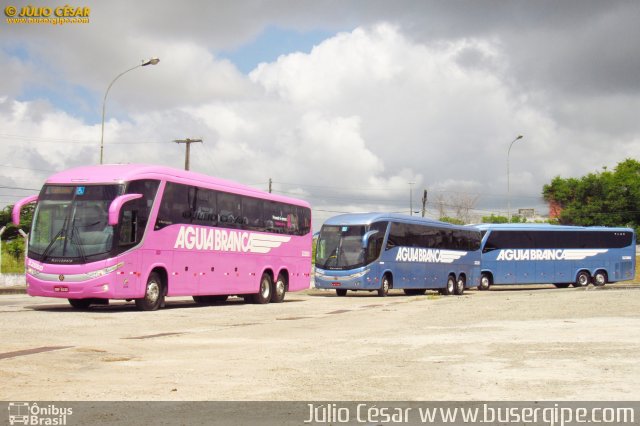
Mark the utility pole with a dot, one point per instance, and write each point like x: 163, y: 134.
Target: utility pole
x: 270, y: 182
x: 411, y: 198
x: 188, y: 143
x: 424, y: 203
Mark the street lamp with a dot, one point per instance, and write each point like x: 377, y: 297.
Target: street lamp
x: 152, y: 61
x: 508, y: 183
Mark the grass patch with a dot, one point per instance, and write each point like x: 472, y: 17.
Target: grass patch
x: 11, y: 265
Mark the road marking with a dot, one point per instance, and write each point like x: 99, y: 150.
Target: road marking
x: 24, y: 352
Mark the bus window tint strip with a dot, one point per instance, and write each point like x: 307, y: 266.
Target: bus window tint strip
x: 183, y: 204
x: 519, y: 239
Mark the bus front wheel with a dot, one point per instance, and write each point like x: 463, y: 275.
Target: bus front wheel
x: 485, y: 281
x: 153, y: 295
x: 384, y: 287
x: 80, y: 303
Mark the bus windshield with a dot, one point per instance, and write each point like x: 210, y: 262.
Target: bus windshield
x: 340, y: 247
x: 70, y: 224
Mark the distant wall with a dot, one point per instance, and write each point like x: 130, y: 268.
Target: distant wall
x: 7, y: 280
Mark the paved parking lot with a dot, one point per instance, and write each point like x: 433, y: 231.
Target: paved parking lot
x: 506, y: 344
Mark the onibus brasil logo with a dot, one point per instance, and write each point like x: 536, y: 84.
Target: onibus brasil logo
x: 25, y: 413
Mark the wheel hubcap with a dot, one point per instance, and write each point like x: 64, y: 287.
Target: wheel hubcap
x: 280, y: 288
x: 153, y: 292
x: 264, y: 289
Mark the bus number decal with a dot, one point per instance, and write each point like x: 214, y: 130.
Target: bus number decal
x: 206, y: 239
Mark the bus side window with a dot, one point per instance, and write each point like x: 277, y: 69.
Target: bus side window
x: 128, y: 227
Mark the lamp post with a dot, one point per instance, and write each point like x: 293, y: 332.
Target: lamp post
x: 152, y: 61
x: 508, y: 183
x: 411, y: 198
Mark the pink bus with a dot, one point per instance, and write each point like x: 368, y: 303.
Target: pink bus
x: 141, y: 232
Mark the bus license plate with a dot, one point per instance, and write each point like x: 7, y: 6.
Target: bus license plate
x: 61, y: 289
x: 336, y: 284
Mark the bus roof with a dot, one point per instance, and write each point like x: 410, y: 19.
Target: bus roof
x: 120, y: 173
x: 369, y: 218
x: 545, y: 227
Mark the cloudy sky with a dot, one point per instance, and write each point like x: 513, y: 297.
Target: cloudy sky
x: 348, y: 104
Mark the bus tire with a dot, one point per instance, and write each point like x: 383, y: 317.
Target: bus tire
x: 384, y: 287
x: 153, y: 294
x: 279, y: 290
x: 80, y: 303
x: 341, y: 292
x: 485, y: 282
x: 599, y: 278
x: 583, y: 279
x: 263, y: 295
x: 450, y: 288
x: 460, y: 285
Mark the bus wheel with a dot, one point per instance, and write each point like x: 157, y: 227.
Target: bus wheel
x: 153, y: 295
x: 600, y: 278
x: 264, y: 294
x: 485, y: 281
x: 384, y: 288
x: 583, y: 279
x: 451, y: 286
x: 80, y: 303
x: 341, y: 292
x: 279, y: 290
x: 460, y: 284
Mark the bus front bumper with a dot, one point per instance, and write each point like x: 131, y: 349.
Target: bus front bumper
x: 355, y: 281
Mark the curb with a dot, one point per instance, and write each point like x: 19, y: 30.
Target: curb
x: 13, y: 290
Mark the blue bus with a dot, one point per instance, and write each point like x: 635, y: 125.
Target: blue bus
x: 561, y: 255
x: 380, y: 251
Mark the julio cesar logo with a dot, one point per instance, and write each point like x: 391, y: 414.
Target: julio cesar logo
x: 57, y: 15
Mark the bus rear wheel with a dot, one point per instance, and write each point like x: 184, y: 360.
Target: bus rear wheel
x: 279, y: 290
x: 460, y: 285
x: 264, y: 293
x: 153, y: 295
x: 450, y: 288
x: 583, y: 279
x: 599, y: 278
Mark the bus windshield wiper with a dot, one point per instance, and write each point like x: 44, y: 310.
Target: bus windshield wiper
x: 61, y: 232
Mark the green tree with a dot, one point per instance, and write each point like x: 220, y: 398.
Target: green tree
x: 25, y: 221
x: 502, y: 219
x: 453, y: 220
x: 606, y: 198
x: 15, y: 248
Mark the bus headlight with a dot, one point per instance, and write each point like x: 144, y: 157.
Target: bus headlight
x: 32, y: 271
x: 102, y: 272
x: 356, y: 275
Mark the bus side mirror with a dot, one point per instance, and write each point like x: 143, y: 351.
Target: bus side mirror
x: 366, y: 237
x: 116, y: 206
x: 15, y: 214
